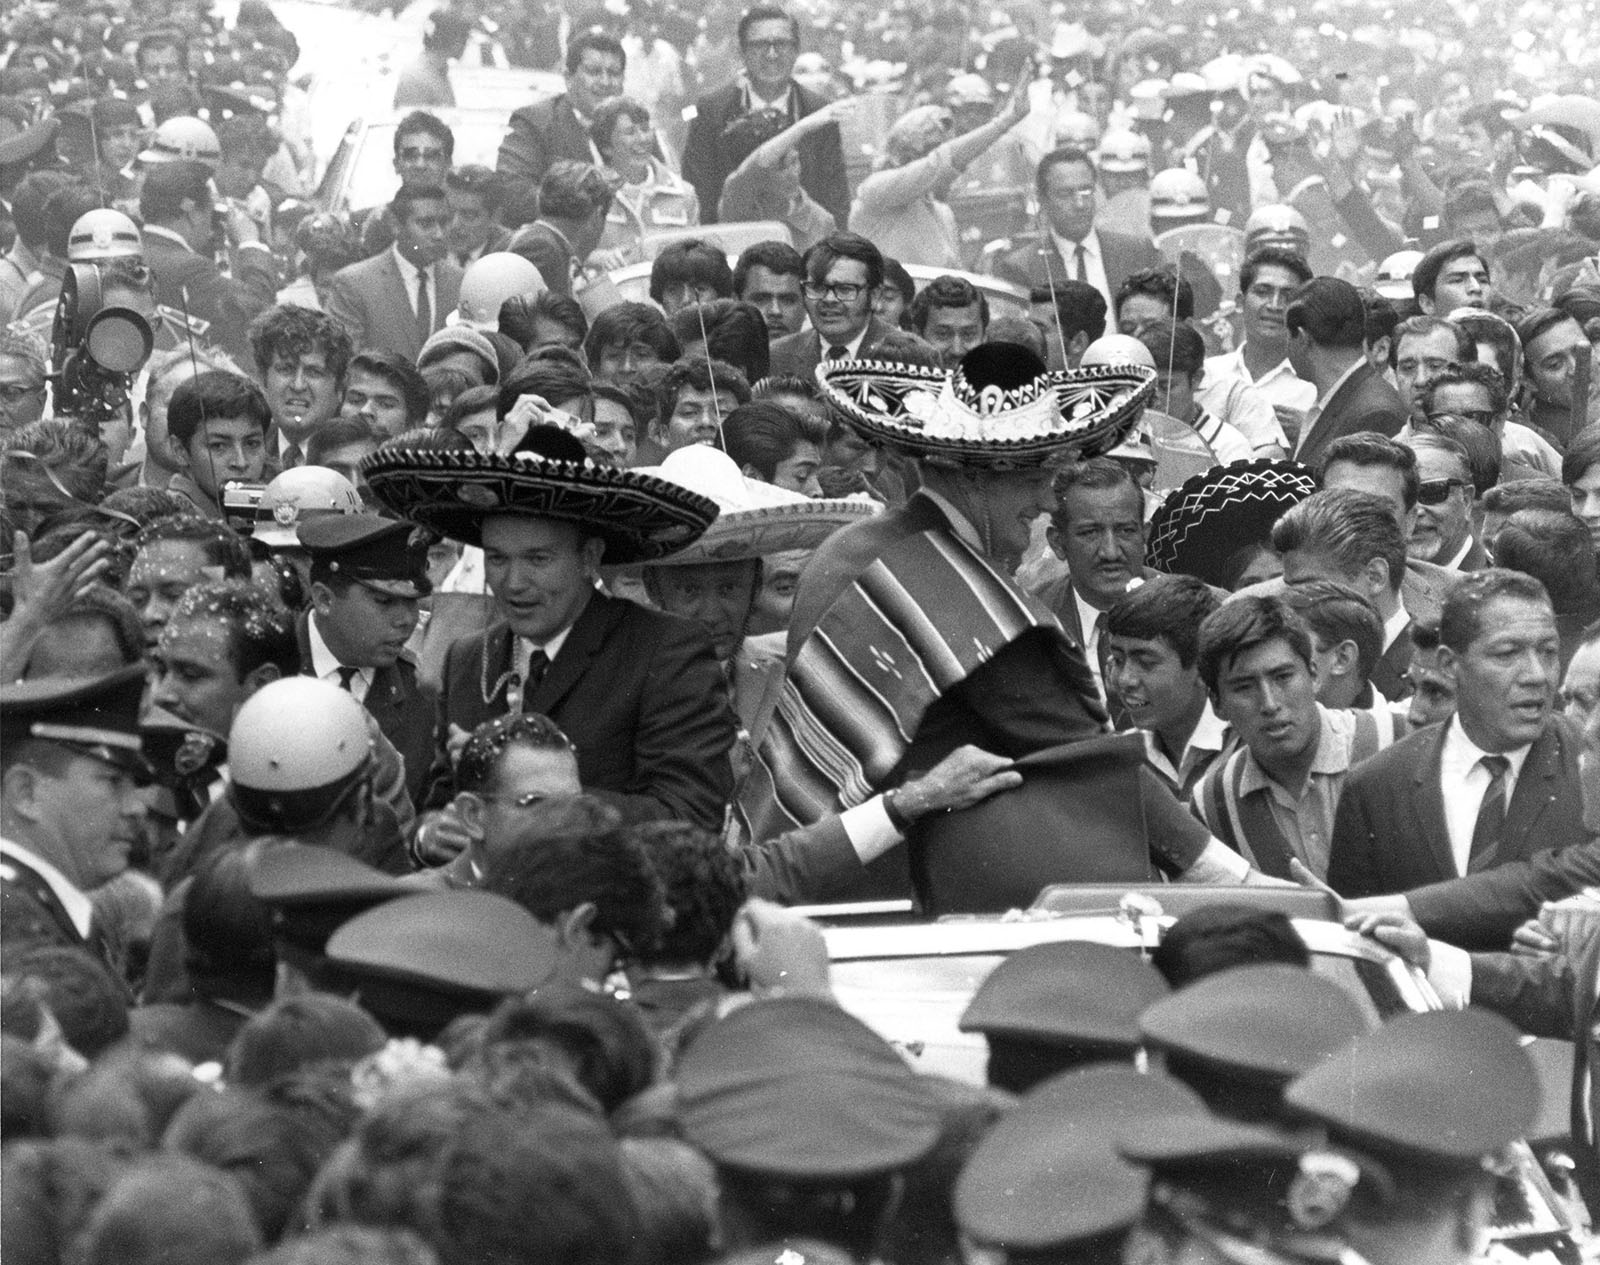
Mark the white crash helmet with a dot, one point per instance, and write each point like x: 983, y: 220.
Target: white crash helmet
x: 296, y: 747
x: 488, y: 282
x: 103, y: 234
x: 1074, y: 127
x: 1177, y: 193
x: 1123, y: 151
x: 297, y: 494
x: 1277, y: 225
x: 1394, y: 274
x: 184, y: 139
x: 1117, y: 349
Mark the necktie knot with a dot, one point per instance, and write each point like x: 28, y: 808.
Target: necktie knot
x: 346, y: 676
x: 838, y: 352
x: 1498, y: 766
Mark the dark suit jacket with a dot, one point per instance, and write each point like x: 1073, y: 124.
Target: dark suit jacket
x: 33, y: 915
x: 1555, y: 997
x: 638, y: 692
x: 548, y: 250
x: 1363, y: 402
x: 540, y: 134
x: 1480, y: 911
x: 191, y: 283
x: 708, y: 159
x: 1391, y: 674
x: 801, y: 353
x: 404, y: 708
x: 1039, y: 264
x: 370, y: 300
x: 1389, y: 832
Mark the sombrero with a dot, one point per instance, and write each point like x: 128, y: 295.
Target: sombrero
x: 1216, y: 513
x: 756, y: 518
x: 641, y: 518
x: 999, y: 409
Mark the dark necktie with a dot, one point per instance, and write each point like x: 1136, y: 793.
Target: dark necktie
x: 347, y: 675
x: 292, y: 456
x: 538, y: 665
x: 1102, y: 655
x: 1081, y: 263
x: 1491, y: 822
x: 424, y: 308
x: 837, y: 352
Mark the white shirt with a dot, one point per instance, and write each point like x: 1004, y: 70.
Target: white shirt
x: 526, y: 646
x: 325, y: 664
x: 1395, y: 625
x: 1088, y: 620
x: 1279, y: 385
x: 409, y: 272
x: 1464, y: 781
x: 1094, y: 263
x: 852, y: 348
x: 1209, y: 738
x: 79, y: 907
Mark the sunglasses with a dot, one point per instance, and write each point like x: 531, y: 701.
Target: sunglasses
x: 1437, y: 491
x: 1483, y: 416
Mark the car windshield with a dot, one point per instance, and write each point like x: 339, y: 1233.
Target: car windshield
x: 370, y: 161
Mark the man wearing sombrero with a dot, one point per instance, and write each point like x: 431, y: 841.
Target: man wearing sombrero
x: 909, y: 636
x: 638, y: 692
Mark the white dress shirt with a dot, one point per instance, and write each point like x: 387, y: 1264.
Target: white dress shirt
x: 1395, y: 625
x: 1280, y: 385
x: 1094, y: 263
x: 409, y: 272
x: 1464, y: 782
x: 325, y: 664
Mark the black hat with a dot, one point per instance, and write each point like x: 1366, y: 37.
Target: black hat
x: 797, y: 1089
x: 1204, y: 524
x: 381, y: 553
x: 312, y: 892
x: 98, y: 716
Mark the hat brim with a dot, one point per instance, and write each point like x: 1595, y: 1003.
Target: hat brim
x: 1202, y: 525
x: 409, y: 590
x: 740, y: 535
x: 1087, y: 411
x: 640, y: 518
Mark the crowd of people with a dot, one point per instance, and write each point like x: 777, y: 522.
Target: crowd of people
x: 1055, y: 448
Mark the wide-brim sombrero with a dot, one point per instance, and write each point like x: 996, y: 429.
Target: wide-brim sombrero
x: 640, y: 518
x: 999, y: 409
x: 1213, y: 515
x: 757, y: 518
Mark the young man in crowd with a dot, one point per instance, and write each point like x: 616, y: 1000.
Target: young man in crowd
x: 217, y: 426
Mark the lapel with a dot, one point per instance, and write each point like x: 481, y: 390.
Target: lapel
x: 396, y: 302
x: 1067, y: 613
x: 583, y: 643
x: 1328, y: 419
x: 1389, y: 675
x: 1427, y: 806
x: 1535, y: 791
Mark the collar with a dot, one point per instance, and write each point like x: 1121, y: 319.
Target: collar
x: 409, y: 272
x: 1461, y: 556
x: 959, y: 522
x: 169, y: 235
x: 1088, y: 618
x: 1459, y: 754
x: 1332, y: 755
x: 1322, y: 400
x: 1210, y: 732
x: 853, y: 346
x: 1235, y: 358
x: 323, y: 661
x: 1067, y: 248
x: 78, y: 906
x: 754, y: 101
x: 1395, y: 625
x: 552, y: 647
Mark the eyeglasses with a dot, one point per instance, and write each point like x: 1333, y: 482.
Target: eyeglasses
x: 843, y: 291
x: 1483, y: 416
x: 415, y: 154
x: 1437, y: 491
x: 1078, y: 197
x: 770, y: 46
x: 530, y: 800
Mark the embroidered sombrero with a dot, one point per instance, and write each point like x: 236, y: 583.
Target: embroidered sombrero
x: 1205, y: 523
x: 999, y: 409
x: 756, y: 518
x: 640, y: 518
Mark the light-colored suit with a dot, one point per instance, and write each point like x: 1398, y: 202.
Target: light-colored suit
x: 370, y: 300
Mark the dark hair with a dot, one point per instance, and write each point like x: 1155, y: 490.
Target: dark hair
x: 287, y: 332
x: 213, y: 395
x: 339, y: 432
x: 162, y: 37
x: 627, y: 323
x: 1469, y: 197
x: 605, y: 867
x: 73, y: 454
x: 1335, y: 612
x: 29, y: 201
x: 1351, y: 528
x: 778, y: 257
x: 170, y: 1210
x: 606, y: 117
x: 1552, y: 546
x: 400, y: 373
x: 1582, y: 452
x: 946, y: 291
x: 702, y: 375
x: 734, y: 332
x: 704, y: 888
x: 606, y: 1041
x: 300, y: 1032
x: 762, y: 434
x: 143, y: 504
x: 674, y: 1192
x: 89, y: 1004
x: 519, y: 316
x: 1098, y: 474
x: 1057, y: 157
x: 766, y: 13
x: 107, y: 605
x: 1272, y: 257
x: 1538, y: 322
x: 1220, y: 937
x: 227, y: 931
x: 1425, y: 276
x: 1369, y: 448
x: 1500, y: 334
x: 472, y: 400
x: 64, y: 207
x: 1480, y: 445
x: 896, y: 277
x: 260, y: 631
x: 222, y: 547
x: 1162, y: 282
x: 1167, y: 608
x: 1380, y: 317
x: 432, y: 124
x: 692, y: 262
x: 479, y: 760
x: 1474, y: 374
x: 1527, y: 494
x: 599, y: 42
x: 1176, y: 347
x: 480, y: 181
x: 167, y: 186
x: 573, y: 191
x: 555, y: 380
x: 1461, y: 615
x: 1421, y: 327
x: 1242, y: 624
x: 1020, y: 331
x: 408, y: 195
x: 1330, y: 312
x: 824, y: 254
x: 1080, y: 308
